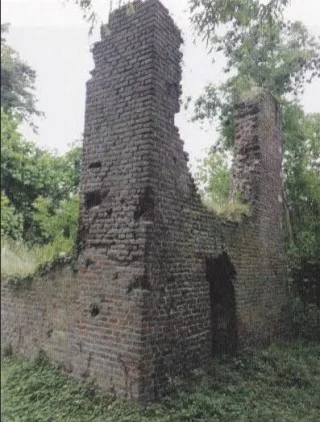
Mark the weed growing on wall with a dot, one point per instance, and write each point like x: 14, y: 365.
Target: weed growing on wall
x: 231, y: 210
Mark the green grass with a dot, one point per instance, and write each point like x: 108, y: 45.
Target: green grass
x: 17, y: 259
x: 20, y: 259
x: 231, y: 210
x: 280, y: 383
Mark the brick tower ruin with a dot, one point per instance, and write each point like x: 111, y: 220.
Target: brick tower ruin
x: 162, y: 283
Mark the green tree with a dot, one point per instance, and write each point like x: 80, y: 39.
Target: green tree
x: 11, y: 221
x: 17, y: 83
x: 213, y: 177
x: 39, y: 199
x: 302, y: 193
x: 58, y: 224
x: 263, y: 52
x: 28, y: 172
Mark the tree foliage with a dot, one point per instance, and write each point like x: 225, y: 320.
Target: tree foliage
x: 29, y: 172
x: 39, y: 189
x: 11, y: 221
x: 17, y: 83
x: 57, y: 222
x: 88, y: 12
x: 302, y: 193
x: 276, y: 55
x: 213, y: 177
x: 263, y: 52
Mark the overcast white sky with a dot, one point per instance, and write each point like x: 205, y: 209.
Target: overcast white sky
x: 53, y: 38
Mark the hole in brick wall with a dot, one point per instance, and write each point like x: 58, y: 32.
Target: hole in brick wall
x: 89, y: 262
x: 221, y: 275
x: 92, y: 199
x: 146, y: 205
x: 109, y: 212
x: 95, y: 165
x: 94, y: 310
x: 174, y: 160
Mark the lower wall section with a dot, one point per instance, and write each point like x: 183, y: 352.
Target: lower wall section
x: 89, y: 328
x: 214, y: 290
x: 131, y: 329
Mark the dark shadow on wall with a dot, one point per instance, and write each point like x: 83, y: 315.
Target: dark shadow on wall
x: 221, y: 276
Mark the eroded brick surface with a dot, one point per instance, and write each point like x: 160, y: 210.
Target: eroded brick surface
x: 146, y: 303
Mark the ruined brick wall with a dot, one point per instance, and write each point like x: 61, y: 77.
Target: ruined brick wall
x: 184, y: 235
x: 41, y: 314
x: 162, y: 282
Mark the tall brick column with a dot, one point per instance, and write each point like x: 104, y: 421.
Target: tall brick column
x: 136, y: 68
x: 257, y: 181
x: 257, y: 166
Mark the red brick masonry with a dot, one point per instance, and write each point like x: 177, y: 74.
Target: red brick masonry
x: 162, y: 283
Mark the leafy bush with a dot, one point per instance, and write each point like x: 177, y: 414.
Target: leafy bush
x: 11, y: 220
x: 58, y: 225
x: 29, y: 172
x: 61, y: 246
